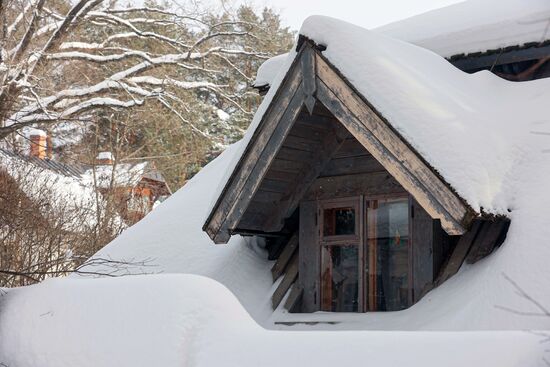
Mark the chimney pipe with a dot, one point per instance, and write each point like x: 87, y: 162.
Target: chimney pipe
x: 38, y: 144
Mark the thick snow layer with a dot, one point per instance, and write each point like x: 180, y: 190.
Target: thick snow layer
x: 476, y: 130
x: 475, y: 26
x: 268, y: 70
x: 106, y: 176
x: 105, y: 155
x: 466, y: 27
x: 186, y: 320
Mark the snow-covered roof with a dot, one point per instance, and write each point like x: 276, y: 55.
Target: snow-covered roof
x: 475, y: 26
x: 268, y: 70
x: 67, y: 191
x: 31, y: 131
x: 468, y: 27
x: 465, y: 126
x: 105, y: 155
x: 118, y: 175
x: 122, y: 174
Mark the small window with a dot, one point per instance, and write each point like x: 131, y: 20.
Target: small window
x: 339, y: 221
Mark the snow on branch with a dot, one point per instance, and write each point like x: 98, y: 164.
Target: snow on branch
x: 135, y: 54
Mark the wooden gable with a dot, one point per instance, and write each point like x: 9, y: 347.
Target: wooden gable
x: 314, y: 113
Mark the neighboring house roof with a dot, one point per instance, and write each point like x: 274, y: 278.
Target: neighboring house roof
x: 469, y: 28
x: 475, y: 26
x: 125, y: 175
x: 49, y: 164
x: 63, y: 184
x: 73, y: 186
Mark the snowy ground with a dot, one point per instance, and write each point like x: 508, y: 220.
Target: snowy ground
x: 186, y: 320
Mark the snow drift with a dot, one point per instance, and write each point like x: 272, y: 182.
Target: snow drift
x: 187, y: 320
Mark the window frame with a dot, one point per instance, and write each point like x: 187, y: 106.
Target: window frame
x: 361, y: 204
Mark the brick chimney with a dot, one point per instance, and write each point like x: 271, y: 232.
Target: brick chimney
x: 38, y: 144
x: 105, y: 158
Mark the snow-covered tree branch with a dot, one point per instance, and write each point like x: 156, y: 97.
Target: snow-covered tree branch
x: 59, y: 61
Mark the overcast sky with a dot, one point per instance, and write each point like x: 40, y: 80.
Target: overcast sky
x: 366, y: 13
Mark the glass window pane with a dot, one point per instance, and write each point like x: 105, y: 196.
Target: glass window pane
x: 340, y: 279
x: 388, y: 230
x: 339, y: 221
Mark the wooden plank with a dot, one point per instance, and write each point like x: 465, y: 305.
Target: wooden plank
x: 352, y: 165
x: 307, y: 133
x: 391, y: 151
x: 369, y: 184
x: 293, y: 154
x: 290, y: 276
x: 274, y: 185
x: 280, y: 265
x: 268, y: 196
x: 459, y: 253
x: 474, y: 63
x: 294, y: 299
x: 486, y: 240
x: 309, y: 256
x: 321, y: 123
x: 273, y: 174
x: 351, y: 148
x: 256, y: 216
x: 287, y: 166
x: 285, y: 105
x: 299, y: 143
x: 394, y: 164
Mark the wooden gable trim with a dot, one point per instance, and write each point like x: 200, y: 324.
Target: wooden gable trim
x: 391, y: 150
x: 258, y: 155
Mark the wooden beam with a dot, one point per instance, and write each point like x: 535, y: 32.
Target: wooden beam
x: 280, y: 265
x: 487, y: 239
x: 369, y: 184
x: 294, y: 299
x: 391, y: 151
x: 256, y: 158
x: 289, y: 278
x: 473, y: 62
x: 459, y: 253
